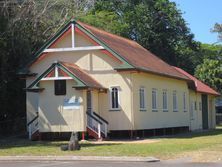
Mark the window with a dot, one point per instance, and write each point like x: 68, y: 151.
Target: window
x: 154, y: 100
x: 192, y: 110
x: 165, y: 101
x: 60, y: 87
x: 184, y: 102
x: 200, y: 106
x: 195, y: 105
x: 142, y: 99
x: 175, y: 103
x: 114, y: 95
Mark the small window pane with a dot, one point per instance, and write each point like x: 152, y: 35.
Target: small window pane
x: 60, y: 87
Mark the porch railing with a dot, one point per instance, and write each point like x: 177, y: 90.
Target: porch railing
x: 33, y: 126
x: 97, y: 124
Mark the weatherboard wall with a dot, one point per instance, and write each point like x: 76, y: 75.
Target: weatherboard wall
x: 151, y: 119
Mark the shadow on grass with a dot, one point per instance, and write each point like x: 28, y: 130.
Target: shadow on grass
x: 195, y: 134
x: 12, y: 142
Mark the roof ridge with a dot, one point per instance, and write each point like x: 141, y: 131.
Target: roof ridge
x: 109, y: 33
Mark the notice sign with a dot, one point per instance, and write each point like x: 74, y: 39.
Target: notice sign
x: 72, y: 103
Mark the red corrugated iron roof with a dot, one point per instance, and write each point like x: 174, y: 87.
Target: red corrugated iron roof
x: 200, y: 86
x: 134, y: 53
x: 82, y: 75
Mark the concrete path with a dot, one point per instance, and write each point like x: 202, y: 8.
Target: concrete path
x: 78, y: 158
x: 103, y: 164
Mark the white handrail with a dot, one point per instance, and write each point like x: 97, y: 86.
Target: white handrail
x: 33, y: 127
x: 97, y: 125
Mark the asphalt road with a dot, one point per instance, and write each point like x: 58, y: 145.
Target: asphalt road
x: 104, y: 164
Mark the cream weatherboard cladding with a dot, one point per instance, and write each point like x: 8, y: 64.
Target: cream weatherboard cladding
x: 136, y: 92
x: 159, y: 119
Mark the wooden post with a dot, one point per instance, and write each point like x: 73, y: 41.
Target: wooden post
x: 73, y: 35
x: 99, y: 130
x: 30, y: 132
x: 106, y: 130
x: 83, y: 135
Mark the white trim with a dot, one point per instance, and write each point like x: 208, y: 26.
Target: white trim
x: 73, y: 35
x: 110, y: 98
x: 56, y: 72
x: 55, y: 78
x: 85, y: 48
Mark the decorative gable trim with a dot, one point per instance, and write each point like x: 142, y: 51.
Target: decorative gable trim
x: 72, y: 25
x: 35, y: 83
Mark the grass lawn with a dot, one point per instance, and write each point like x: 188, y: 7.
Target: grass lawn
x: 167, y: 147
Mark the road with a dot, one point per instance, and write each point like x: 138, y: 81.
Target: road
x: 105, y: 164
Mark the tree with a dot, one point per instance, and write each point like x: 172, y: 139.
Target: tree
x: 210, y: 72
x: 155, y: 24
x: 218, y: 29
x: 24, y: 26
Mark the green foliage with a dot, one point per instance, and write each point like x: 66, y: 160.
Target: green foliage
x: 211, y: 73
x: 106, y: 20
x: 24, y: 26
x: 218, y: 29
x: 210, y: 51
x: 156, y: 25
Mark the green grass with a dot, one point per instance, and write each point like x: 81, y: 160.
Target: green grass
x: 165, y: 148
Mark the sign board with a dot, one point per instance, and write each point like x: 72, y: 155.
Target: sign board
x: 72, y: 103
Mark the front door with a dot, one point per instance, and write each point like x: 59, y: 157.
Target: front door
x: 205, y: 111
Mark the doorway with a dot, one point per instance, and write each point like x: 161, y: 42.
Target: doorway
x: 205, y: 111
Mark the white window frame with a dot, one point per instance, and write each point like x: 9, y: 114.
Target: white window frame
x: 165, y: 95
x: 184, y: 102
x: 175, y: 101
x: 156, y: 104
x: 110, y: 98
x: 142, y: 89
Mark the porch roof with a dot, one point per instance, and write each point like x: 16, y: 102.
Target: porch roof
x: 83, y: 80
x: 82, y: 75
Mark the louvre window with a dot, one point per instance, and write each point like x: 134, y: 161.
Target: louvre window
x: 175, y: 102
x: 154, y: 100
x: 165, y: 101
x: 184, y: 102
x: 142, y: 98
x: 60, y: 87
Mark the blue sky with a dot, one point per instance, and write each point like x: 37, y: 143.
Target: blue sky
x: 201, y: 15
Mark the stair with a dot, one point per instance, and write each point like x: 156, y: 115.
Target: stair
x: 33, y: 128
x: 35, y: 136
x: 94, y: 134
x: 96, y: 126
